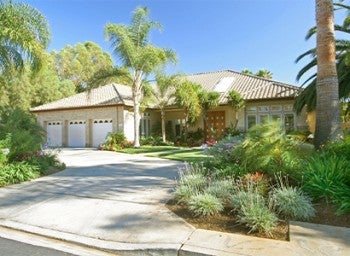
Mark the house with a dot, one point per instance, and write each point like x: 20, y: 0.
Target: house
x: 86, y: 118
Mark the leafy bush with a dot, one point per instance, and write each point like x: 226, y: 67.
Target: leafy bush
x: 194, y: 180
x: 183, y: 193
x: 267, y: 149
x: 45, y: 161
x: 252, y: 210
x: 154, y: 141
x: 25, y: 136
x: 116, y: 141
x: 339, y: 148
x: 221, y: 189
x: 292, y: 203
x: 324, y: 174
x: 205, y: 204
x: 257, y: 217
x: 18, y: 172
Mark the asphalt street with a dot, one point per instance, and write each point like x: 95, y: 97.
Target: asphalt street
x: 14, y: 248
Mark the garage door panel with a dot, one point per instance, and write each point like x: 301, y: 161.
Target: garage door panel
x: 54, y: 134
x: 101, y: 129
x: 77, y: 134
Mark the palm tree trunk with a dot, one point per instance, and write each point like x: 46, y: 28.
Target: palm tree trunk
x: 328, y: 123
x: 162, y: 116
x: 136, y: 95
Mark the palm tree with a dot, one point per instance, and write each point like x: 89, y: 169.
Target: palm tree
x: 139, y: 58
x: 163, y: 94
x: 237, y: 102
x: 308, y: 96
x: 264, y: 73
x: 207, y: 100
x: 187, y: 97
x: 328, y: 124
x: 24, y: 33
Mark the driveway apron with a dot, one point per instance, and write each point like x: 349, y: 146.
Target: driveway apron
x: 101, y: 195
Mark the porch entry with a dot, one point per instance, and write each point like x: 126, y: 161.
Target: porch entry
x: 215, y: 126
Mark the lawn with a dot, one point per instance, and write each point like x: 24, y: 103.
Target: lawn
x: 148, y: 149
x: 187, y: 155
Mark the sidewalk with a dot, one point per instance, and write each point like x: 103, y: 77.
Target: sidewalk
x: 115, y: 203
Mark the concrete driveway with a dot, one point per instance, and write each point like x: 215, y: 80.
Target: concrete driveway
x: 102, y: 198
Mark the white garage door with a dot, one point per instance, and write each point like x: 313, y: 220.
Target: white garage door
x: 54, y: 134
x: 76, y: 138
x: 101, y: 128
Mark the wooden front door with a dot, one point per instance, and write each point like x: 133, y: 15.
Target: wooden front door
x: 215, y: 124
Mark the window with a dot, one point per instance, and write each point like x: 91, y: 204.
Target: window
x: 251, y: 121
x: 262, y: 114
x: 289, y: 122
x: 145, y: 124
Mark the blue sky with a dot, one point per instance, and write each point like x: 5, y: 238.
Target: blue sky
x: 207, y: 35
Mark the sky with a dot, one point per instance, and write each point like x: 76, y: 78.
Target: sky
x: 207, y: 35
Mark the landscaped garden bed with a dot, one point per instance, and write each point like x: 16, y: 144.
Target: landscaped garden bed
x: 257, y: 182
x: 21, y: 155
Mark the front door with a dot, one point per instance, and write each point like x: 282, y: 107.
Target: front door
x: 215, y: 124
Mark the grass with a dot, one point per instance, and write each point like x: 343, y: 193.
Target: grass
x: 147, y: 149
x: 187, y: 155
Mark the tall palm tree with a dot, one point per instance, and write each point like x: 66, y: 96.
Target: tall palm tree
x: 308, y: 96
x: 138, y: 56
x: 163, y: 94
x: 24, y: 33
x: 328, y: 123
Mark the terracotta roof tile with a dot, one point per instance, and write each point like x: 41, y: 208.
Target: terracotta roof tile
x: 250, y: 87
x: 111, y: 94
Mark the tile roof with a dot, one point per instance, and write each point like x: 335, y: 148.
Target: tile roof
x: 112, y: 94
x: 250, y: 87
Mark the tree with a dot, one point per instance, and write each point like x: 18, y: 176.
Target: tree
x: 207, y: 100
x: 328, y: 124
x: 26, y: 89
x: 187, y: 97
x: 24, y: 34
x: 264, y: 73
x: 163, y: 94
x: 139, y: 58
x: 261, y: 73
x: 237, y: 102
x: 80, y: 62
x: 308, y: 96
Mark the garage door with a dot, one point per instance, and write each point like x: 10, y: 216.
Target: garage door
x: 76, y: 131
x: 54, y: 134
x: 100, y: 130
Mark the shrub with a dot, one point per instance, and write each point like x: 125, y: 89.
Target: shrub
x: 205, y: 204
x: 339, y: 148
x: 257, y: 217
x: 194, y: 180
x: 183, y: 193
x: 324, y: 174
x: 292, y: 203
x: 116, y: 141
x: 17, y: 172
x: 25, y: 136
x: 252, y: 210
x: 221, y: 189
x: 267, y: 149
x: 45, y: 161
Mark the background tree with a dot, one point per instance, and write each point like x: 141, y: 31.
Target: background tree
x: 24, y: 34
x: 328, y: 124
x: 162, y: 94
x: 207, y: 101
x: 139, y: 58
x: 235, y: 100
x: 80, y: 62
x: 187, y: 97
x: 261, y: 73
x: 26, y: 89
